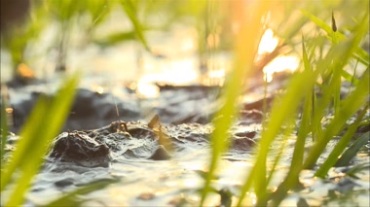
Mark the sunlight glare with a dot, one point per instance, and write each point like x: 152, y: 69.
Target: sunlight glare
x: 188, y: 44
x: 217, y: 73
x: 192, y: 182
x: 268, y: 42
x: 98, y: 89
x: 147, y: 90
x: 177, y: 72
x: 9, y: 110
x: 214, y: 77
x: 279, y: 64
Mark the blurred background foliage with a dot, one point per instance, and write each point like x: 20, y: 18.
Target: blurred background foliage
x: 76, y: 24
x: 212, y: 20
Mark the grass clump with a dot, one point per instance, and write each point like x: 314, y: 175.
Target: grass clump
x: 25, y: 162
x: 4, y: 128
x: 44, y: 123
x: 324, y: 73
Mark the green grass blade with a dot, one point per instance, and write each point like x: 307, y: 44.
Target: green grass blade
x: 70, y: 198
x: 350, y: 105
x: 339, y: 148
x: 116, y: 38
x: 349, y: 77
x: 44, y: 124
x: 340, y: 53
x: 293, y: 30
x: 317, y: 21
x: 281, y: 111
x: 360, y: 54
x: 22, y: 146
x: 305, y: 127
x: 98, y: 10
x: 337, y: 57
x: 245, y: 49
x: 351, y: 152
x: 131, y: 12
x: 286, y: 134
x: 358, y: 168
x: 4, y: 128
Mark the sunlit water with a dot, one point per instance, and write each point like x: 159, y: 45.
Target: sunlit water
x: 144, y: 182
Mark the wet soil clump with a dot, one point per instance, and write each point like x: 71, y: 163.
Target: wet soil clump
x: 133, y: 140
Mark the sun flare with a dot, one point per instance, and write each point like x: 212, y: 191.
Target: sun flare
x: 268, y: 42
x: 281, y: 63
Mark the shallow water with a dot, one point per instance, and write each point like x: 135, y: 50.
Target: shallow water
x: 185, y: 113
x: 143, y: 182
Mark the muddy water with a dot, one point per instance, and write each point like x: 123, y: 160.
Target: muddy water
x: 144, y: 179
x: 95, y: 146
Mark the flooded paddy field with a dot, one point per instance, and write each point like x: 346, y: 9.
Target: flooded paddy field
x: 185, y: 103
x: 108, y: 138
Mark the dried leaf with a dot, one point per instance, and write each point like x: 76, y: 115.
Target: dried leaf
x: 333, y: 24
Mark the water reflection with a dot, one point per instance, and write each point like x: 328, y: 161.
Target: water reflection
x: 147, y: 90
